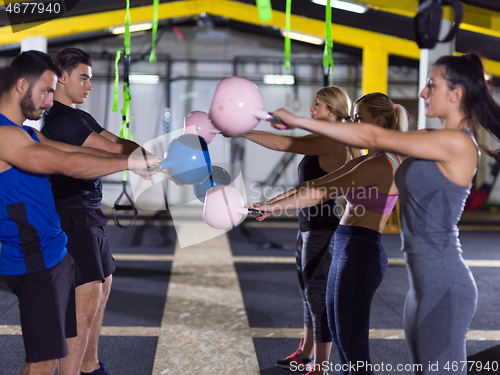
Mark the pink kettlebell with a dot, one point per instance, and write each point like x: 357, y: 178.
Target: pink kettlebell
x: 225, y: 208
x: 237, y: 106
x: 198, y: 122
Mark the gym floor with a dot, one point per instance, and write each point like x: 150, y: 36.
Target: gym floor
x: 231, y: 304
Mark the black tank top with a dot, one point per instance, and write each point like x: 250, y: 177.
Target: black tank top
x: 323, y: 215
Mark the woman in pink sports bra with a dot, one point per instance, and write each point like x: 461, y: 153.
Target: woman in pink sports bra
x: 315, y: 235
x: 359, y: 260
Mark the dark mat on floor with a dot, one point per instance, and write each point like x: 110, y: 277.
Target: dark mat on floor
x: 392, y: 245
x: 488, y: 305
x: 138, y: 294
x: 475, y: 245
x: 9, y: 310
x: 272, y: 298
x: 121, y: 355
x: 271, y: 294
x: 128, y: 355
x: 262, y: 241
x: 269, y: 350
x: 388, y: 352
x: 480, y: 245
x: 12, y: 357
x: 387, y: 356
x: 388, y: 301
x: 142, y: 239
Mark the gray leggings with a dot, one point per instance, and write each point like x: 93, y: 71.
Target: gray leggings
x: 438, y: 311
x: 314, y: 255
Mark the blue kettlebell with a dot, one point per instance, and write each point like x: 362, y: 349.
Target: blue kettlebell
x: 219, y: 176
x: 187, y: 160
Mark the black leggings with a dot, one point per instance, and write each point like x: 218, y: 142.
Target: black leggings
x: 314, y: 256
x: 358, y: 267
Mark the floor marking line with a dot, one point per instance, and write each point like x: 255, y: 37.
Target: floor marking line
x: 392, y: 261
x: 205, y: 327
x: 375, y: 334
x: 255, y: 332
x: 144, y: 257
x: 105, y: 331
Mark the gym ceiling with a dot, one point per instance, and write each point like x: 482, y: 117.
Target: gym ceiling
x: 384, y: 32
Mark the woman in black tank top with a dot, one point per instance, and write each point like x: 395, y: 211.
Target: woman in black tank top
x: 314, y: 240
x: 442, y: 298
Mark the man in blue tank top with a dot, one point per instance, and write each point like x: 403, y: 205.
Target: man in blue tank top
x: 33, y: 258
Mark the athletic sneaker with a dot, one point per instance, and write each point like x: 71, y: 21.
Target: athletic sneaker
x: 100, y: 371
x: 297, y: 358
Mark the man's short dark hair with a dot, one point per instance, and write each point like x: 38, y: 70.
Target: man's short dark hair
x: 69, y: 58
x: 30, y: 65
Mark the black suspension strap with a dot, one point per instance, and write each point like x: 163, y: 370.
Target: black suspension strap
x: 427, y: 22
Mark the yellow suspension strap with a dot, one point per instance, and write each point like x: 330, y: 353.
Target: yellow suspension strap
x: 125, y: 132
x: 327, y: 54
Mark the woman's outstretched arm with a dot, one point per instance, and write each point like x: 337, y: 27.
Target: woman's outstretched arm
x: 371, y: 173
x: 444, y: 145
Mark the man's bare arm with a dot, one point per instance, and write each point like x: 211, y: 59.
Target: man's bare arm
x: 19, y: 150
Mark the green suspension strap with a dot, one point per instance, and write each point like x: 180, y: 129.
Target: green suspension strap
x: 287, y: 37
x: 152, y: 56
x: 265, y: 10
x: 327, y: 55
x: 117, y: 81
x: 125, y: 132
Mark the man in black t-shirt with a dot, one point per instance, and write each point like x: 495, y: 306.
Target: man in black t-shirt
x: 78, y: 203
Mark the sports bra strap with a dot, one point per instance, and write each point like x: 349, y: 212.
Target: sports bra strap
x: 384, y: 153
x: 467, y: 131
x: 394, y: 160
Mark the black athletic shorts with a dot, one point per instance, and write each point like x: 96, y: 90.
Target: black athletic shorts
x: 88, y: 243
x: 47, y: 307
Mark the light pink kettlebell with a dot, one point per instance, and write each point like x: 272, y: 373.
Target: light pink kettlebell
x: 237, y: 106
x: 224, y: 208
x: 198, y: 122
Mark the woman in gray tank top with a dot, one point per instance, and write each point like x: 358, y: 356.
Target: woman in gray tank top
x: 434, y: 183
